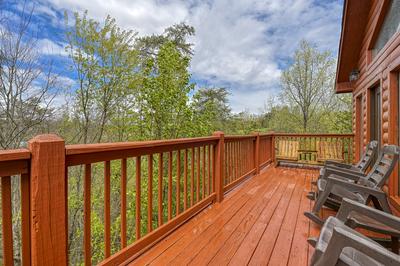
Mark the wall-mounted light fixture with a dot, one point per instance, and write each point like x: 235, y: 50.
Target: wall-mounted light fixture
x: 354, y: 74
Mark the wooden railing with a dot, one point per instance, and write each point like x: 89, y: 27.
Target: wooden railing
x: 171, y: 181
x: 15, y: 164
x: 239, y: 159
x: 313, y: 148
x: 185, y: 164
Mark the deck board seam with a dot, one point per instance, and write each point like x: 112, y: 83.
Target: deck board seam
x: 267, y: 200
x: 234, y: 195
x: 280, y: 226
x: 281, y: 196
x: 298, y: 192
x: 231, y: 217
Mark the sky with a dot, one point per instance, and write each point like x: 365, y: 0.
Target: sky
x: 242, y: 45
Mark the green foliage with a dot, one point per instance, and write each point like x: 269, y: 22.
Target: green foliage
x: 103, y: 59
x: 164, y: 94
x: 211, y: 110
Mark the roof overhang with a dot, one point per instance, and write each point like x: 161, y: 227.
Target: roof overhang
x: 354, y: 21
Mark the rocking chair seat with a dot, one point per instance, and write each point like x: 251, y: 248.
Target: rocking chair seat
x: 339, y: 192
x: 349, y: 256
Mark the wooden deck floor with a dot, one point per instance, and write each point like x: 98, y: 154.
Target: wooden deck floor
x: 260, y: 222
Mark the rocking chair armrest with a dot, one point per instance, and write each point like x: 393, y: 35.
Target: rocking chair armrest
x: 344, y: 173
x: 342, y: 238
x: 348, y: 207
x: 330, y: 163
x: 353, y: 186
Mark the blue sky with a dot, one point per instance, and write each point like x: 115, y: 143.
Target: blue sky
x: 241, y: 44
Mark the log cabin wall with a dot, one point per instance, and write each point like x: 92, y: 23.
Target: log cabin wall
x: 379, y: 70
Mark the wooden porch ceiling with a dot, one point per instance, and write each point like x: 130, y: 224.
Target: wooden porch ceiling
x: 260, y: 222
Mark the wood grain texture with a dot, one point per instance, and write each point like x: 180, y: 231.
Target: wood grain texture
x: 219, y: 166
x: 25, y: 219
x: 107, y: 209
x: 87, y: 239
x: 138, y: 216
x: 150, y: 194
x: 7, y: 236
x: 123, y: 202
x: 264, y: 212
x: 48, y: 201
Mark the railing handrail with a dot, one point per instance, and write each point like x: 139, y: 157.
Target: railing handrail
x: 16, y: 154
x: 91, y: 153
x: 345, y: 135
x: 74, y: 149
x: 239, y: 137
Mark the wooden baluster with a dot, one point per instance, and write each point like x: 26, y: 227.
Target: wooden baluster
x: 160, y: 187
x: 178, y: 183
x: 185, y: 174
x: 238, y: 158
x: 87, y: 213
x: 192, y: 180
x: 25, y: 220
x: 198, y: 175
x: 170, y: 185
x: 227, y: 164
x: 232, y: 163
x: 150, y: 194
x: 8, y: 257
x: 241, y: 161
x: 138, y: 196
x: 107, y: 218
x: 204, y: 172
x: 123, y: 201
x: 234, y: 153
x: 229, y: 159
x: 209, y: 169
x: 218, y: 166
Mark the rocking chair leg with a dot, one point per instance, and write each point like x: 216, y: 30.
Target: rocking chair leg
x: 311, y: 195
x: 314, y: 217
x: 395, y: 244
x: 321, y: 199
x: 312, y: 241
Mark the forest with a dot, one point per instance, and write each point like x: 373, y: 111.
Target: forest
x: 130, y: 87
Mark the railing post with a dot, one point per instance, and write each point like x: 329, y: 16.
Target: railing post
x: 48, y: 201
x: 257, y: 152
x: 219, y: 166
x: 273, y: 161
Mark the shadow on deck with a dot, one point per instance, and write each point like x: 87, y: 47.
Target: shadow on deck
x: 260, y: 222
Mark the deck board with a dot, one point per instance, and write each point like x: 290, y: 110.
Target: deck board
x: 260, y: 222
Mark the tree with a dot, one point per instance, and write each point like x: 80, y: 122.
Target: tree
x: 104, y: 60
x: 164, y: 94
x: 27, y: 84
x: 177, y: 34
x: 211, y: 109
x: 308, y: 83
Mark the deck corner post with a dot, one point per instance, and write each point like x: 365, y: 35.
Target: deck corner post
x: 257, y: 152
x: 219, y: 165
x: 48, y: 200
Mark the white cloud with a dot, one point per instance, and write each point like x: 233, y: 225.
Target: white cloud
x: 48, y: 47
x: 242, y: 44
